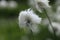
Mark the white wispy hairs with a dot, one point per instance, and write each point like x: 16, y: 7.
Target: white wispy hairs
x: 28, y: 18
x: 39, y: 4
x: 44, y: 3
x: 56, y: 27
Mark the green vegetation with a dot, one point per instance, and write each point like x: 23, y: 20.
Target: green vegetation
x: 9, y: 28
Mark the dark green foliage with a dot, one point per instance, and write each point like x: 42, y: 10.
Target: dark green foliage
x: 12, y: 12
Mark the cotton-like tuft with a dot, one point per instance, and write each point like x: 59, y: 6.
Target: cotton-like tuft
x: 56, y: 27
x: 28, y: 18
x: 39, y: 4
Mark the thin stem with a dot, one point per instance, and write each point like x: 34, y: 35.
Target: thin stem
x: 55, y: 37
x: 32, y: 35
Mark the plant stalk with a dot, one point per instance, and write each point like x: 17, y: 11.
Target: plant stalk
x: 50, y: 22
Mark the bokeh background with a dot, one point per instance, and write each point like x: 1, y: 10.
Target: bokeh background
x: 9, y: 28
x: 9, y: 12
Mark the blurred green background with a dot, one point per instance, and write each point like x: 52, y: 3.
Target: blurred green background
x: 9, y: 28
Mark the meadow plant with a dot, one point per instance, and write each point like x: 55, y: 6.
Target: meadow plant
x: 28, y: 18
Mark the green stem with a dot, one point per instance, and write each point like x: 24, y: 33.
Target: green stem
x: 32, y: 35
x: 55, y: 37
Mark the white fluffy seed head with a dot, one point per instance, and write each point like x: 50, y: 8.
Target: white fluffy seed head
x: 39, y: 4
x: 29, y: 19
x: 56, y: 27
x: 44, y: 3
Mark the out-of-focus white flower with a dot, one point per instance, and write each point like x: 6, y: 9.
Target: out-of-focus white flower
x: 56, y: 27
x: 3, y: 3
x: 44, y: 3
x: 29, y: 19
x: 12, y: 4
x: 39, y: 4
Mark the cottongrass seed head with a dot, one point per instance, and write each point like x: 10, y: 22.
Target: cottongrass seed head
x: 44, y: 3
x: 56, y: 27
x: 28, y: 19
x: 39, y: 4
